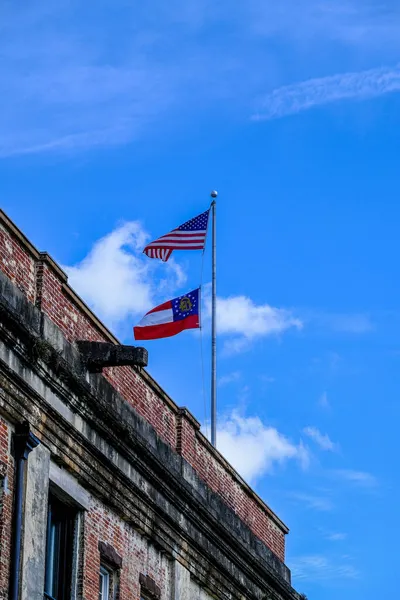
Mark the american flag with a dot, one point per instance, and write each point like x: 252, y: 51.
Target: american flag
x: 189, y: 236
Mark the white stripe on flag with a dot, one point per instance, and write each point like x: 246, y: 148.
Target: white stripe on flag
x: 191, y: 244
x: 184, y: 234
x: 157, y: 318
x: 175, y: 238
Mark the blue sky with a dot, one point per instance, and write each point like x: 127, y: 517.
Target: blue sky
x: 115, y: 124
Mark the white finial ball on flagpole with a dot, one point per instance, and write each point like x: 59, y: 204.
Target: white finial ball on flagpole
x: 214, y: 194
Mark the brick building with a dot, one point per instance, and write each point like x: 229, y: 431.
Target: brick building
x: 111, y: 487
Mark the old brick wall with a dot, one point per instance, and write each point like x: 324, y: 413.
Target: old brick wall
x: 218, y: 474
x: 17, y: 262
x: 53, y: 299
x: 6, y: 500
x: 44, y: 283
x: 138, y: 555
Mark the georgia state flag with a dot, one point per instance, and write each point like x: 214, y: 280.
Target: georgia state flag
x: 170, y: 318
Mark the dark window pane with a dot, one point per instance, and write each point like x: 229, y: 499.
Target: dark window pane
x: 59, y: 552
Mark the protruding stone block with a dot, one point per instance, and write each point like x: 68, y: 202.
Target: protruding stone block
x: 97, y: 355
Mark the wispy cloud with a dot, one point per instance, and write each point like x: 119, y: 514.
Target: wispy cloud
x: 70, y: 100
x: 349, y: 23
x: 313, y: 502
x: 229, y: 378
x: 336, y: 536
x: 322, y: 440
x: 323, y: 401
x: 360, y: 478
x: 255, y: 448
x: 352, y: 323
x: 298, y: 97
x: 83, y: 85
x: 322, y: 568
x: 320, y: 321
x: 267, y: 379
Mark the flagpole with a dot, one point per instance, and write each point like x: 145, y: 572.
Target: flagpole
x: 214, y: 323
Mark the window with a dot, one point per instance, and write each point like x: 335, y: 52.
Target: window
x: 59, y: 550
x: 110, y: 569
x: 104, y: 584
x: 108, y: 583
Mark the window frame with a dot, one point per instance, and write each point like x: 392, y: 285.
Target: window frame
x: 110, y: 562
x: 105, y: 583
x: 60, y: 548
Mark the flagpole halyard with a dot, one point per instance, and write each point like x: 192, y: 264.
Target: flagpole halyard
x: 214, y: 195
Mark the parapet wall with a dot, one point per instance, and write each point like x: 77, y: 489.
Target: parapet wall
x: 45, y: 284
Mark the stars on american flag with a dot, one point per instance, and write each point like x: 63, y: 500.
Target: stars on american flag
x: 196, y: 224
x: 189, y: 236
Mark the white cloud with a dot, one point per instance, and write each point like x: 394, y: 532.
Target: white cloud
x: 336, y: 537
x: 322, y: 568
x: 244, y: 321
x: 236, y: 346
x: 353, y: 323
x: 117, y: 280
x: 322, y: 440
x: 313, y: 502
x: 240, y: 315
x: 298, y: 97
x: 360, y: 478
x: 267, y: 379
x: 229, y: 378
x: 323, y: 401
x: 254, y: 448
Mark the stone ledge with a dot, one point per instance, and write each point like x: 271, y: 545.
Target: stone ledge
x: 150, y: 586
x: 109, y: 554
x: 69, y: 486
